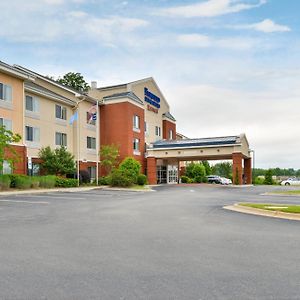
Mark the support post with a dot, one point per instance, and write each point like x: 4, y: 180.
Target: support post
x: 151, y: 170
x: 237, y: 168
x: 248, y: 170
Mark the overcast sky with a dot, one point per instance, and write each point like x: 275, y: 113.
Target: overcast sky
x: 225, y: 66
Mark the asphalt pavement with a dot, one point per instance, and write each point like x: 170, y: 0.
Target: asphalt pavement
x: 175, y: 243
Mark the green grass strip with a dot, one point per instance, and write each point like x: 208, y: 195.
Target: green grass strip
x: 287, y: 208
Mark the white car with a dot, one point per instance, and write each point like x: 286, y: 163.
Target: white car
x: 291, y: 181
x: 225, y: 181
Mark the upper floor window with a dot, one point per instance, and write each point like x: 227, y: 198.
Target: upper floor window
x: 32, y: 134
x: 136, y: 145
x: 32, y: 103
x: 136, y: 122
x: 60, y: 112
x: 91, y: 142
x: 90, y: 119
x: 7, y: 123
x: 5, y: 92
x: 171, y: 134
x: 157, y: 131
x: 60, y: 139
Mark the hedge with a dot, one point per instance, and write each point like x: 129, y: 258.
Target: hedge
x: 65, y: 182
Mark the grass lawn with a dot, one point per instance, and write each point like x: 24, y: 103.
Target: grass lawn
x: 295, y: 192
x: 275, y: 207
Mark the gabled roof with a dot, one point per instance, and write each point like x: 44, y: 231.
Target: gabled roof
x: 6, y: 68
x: 214, y: 142
x: 129, y: 95
x: 35, y: 88
x: 67, y: 88
x: 169, y: 116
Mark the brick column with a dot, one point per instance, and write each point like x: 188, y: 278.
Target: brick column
x: 248, y: 170
x: 237, y: 168
x: 151, y: 170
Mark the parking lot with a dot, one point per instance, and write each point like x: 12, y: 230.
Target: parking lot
x: 175, y: 243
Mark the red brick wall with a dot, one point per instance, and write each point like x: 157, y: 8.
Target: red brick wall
x: 237, y: 167
x: 116, y: 127
x: 167, y: 126
x: 20, y: 167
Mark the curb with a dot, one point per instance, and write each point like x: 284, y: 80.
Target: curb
x: 280, y: 195
x: 263, y: 213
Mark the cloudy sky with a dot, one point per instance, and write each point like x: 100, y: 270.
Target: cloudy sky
x: 225, y: 66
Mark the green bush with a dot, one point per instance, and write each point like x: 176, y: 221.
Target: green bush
x: 104, y: 180
x: 35, y: 182
x: 13, y: 179
x: 268, y: 177
x: 198, y: 179
x: 258, y: 180
x: 184, y: 179
x: 22, y: 182
x: 191, y: 180
x: 47, y: 181
x: 65, y: 182
x: 130, y: 168
x: 142, y: 179
x: 121, y: 178
x: 5, y: 182
x: 199, y: 171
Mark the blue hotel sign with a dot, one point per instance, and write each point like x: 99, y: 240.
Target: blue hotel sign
x: 151, y: 98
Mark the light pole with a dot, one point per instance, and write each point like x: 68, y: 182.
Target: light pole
x: 253, y: 163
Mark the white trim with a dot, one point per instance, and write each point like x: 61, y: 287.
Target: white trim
x: 16, y: 73
x: 193, y: 147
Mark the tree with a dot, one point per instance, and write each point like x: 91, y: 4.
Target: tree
x: 57, y: 162
x: 199, y: 172
x: 269, y: 177
x: 109, y: 155
x: 130, y: 168
x: 7, y: 152
x: 207, y: 167
x: 189, y: 170
x: 74, y: 80
x: 223, y: 169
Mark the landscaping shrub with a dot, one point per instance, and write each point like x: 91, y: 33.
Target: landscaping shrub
x: 184, y: 179
x: 268, y: 177
x: 130, y: 168
x: 13, y: 179
x: 104, y: 180
x: 259, y: 180
x: 47, y: 181
x: 35, y: 182
x: 198, y: 179
x: 4, y: 182
x: 142, y: 179
x: 120, y: 178
x: 22, y: 182
x: 65, y: 182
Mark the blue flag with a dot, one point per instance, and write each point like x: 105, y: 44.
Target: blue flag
x: 74, y: 118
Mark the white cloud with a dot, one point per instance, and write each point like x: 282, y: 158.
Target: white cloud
x: 210, y: 8
x: 267, y: 26
x: 204, y: 41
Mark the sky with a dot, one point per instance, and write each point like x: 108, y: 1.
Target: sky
x: 225, y: 66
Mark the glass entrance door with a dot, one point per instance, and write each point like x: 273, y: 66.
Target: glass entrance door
x: 161, y: 173
x: 172, y: 174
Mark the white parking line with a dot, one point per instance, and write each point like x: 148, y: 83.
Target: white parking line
x: 22, y: 201
x: 50, y: 196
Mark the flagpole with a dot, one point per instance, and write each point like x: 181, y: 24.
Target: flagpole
x: 78, y: 146
x: 97, y: 144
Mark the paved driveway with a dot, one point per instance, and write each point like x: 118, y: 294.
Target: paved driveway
x: 175, y: 243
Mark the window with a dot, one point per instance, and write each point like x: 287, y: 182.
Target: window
x: 92, y: 172
x: 60, y: 139
x: 136, y: 122
x: 91, y: 142
x: 136, y: 145
x: 171, y: 134
x: 6, y: 123
x: 32, y: 134
x: 7, y: 169
x: 5, y: 92
x: 60, y: 112
x: 157, y: 131
x: 32, y: 104
x: 90, y: 119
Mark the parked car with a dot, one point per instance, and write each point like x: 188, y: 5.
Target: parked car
x: 214, y: 179
x: 291, y: 181
x: 225, y: 181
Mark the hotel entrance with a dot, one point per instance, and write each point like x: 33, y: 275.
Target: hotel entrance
x: 167, y: 174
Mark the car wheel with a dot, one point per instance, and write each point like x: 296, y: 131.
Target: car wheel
x: 287, y: 183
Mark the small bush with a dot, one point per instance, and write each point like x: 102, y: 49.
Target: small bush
x: 35, y: 182
x: 104, y: 180
x: 22, y: 182
x: 65, y: 182
x: 198, y: 179
x: 258, y: 180
x: 130, y: 168
x: 5, y: 182
x: 120, y: 178
x: 47, y: 181
x: 191, y: 180
x: 13, y: 179
x: 184, y: 179
x: 268, y: 177
x: 142, y: 179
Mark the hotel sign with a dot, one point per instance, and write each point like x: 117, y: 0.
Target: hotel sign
x: 152, y: 100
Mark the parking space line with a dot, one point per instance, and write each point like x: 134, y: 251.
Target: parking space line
x: 50, y: 196
x: 23, y: 201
